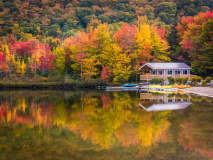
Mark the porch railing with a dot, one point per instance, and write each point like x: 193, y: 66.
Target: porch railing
x: 150, y: 77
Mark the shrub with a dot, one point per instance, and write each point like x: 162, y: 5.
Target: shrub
x: 44, y: 79
x: 184, y: 80
x: 96, y: 82
x: 157, y: 80
x: 178, y: 80
x: 208, y: 79
x: 171, y: 80
x: 203, y: 82
x: 196, y: 79
x: 54, y: 77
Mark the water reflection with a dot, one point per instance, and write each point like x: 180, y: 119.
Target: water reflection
x: 78, y: 124
x: 163, y: 102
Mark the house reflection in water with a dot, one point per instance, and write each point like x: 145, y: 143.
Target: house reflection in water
x: 163, y: 102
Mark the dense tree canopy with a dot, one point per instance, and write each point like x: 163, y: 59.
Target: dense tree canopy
x: 54, y: 18
x: 87, y: 54
x: 84, y: 37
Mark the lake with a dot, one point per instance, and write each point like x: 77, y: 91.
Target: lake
x: 96, y: 124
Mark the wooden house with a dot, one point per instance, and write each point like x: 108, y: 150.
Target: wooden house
x: 163, y: 70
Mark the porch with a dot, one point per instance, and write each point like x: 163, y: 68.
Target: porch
x: 164, y: 76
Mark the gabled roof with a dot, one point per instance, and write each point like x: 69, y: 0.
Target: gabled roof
x: 166, y: 65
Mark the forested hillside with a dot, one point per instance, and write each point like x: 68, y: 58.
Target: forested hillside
x: 57, y: 18
x: 106, y: 39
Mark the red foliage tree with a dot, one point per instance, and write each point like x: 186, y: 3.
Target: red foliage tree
x: 46, y: 60
x: 161, y: 32
x: 126, y: 37
x: 3, y: 64
x: 22, y: 48
x: 105, y: 73
x: 145, y: 55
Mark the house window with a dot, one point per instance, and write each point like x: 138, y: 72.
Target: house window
x: 169, y: 72
x: 185, y: 72
x: 177, y: 100
x: 160, y: 72
x: 153, y: 72
x: 184, y: 100
x: 177, y: 72
x: 170, y: 100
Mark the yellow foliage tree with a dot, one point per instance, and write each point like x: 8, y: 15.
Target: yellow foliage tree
x: 100, y: 39
x: 148, y: 36
x: 118, y: 62
x: 59, y: 52
x: 20, y: 67
x: 159, y: 46
x: 89, y: 67
x: 144, y: 36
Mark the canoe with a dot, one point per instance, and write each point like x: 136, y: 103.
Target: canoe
x: 129, y: 85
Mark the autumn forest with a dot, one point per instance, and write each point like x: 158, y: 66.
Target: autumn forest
x: 102, y: 39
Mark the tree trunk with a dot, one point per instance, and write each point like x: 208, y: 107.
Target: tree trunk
x: 89, y: 74
x: 10, y: 72
x: 66, y: 75
x: 35, y: 68
x: 81, y: 71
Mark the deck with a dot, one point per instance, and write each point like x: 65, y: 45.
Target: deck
x: 150, y: 77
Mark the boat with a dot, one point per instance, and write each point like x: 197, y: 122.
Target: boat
x: 120, y: 88
x: 163, y: 88
x: 181, y: 86
x: 129, y: 85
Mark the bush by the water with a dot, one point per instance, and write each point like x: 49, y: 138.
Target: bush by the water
x: 178, y: 80
x: 52, y: 81
x: 184, y: 80
x: 203, y: 82
x: 171, y: 80
x: 157, y: 81
x: 196, y: 79
x: 208, y: 79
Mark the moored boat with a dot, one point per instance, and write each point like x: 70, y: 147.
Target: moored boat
x: 163, y: 88
x: 129, y: 85
x: 183, y: 86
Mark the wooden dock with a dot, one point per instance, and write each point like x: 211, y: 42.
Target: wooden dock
x: 120, y: 88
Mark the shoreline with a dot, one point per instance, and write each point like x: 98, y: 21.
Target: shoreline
x: 203, y: 91
x: 51, y: 85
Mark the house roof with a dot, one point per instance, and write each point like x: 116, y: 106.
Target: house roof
x: 166, y: 65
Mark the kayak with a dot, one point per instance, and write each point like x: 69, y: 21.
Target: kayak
x: 183, y: 86
x: 154, y: 86
x: 129, y: 85
x: 162, y: 87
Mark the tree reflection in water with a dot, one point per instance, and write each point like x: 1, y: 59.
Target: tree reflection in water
x: 77, y: 123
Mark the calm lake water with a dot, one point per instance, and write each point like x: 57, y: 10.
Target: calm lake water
x: 95, y: 124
